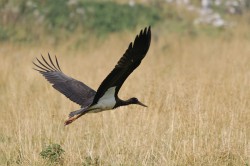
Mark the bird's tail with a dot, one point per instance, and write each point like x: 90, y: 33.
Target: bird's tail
x: 75, y: 115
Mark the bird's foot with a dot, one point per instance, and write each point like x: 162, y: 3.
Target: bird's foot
x: 70, y: 120
x: 73, y: 118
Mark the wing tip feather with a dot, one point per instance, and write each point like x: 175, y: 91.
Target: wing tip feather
x: 47, y: 66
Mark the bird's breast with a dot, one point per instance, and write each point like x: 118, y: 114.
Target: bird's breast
x: 106, y: 104
x: 107, y: 101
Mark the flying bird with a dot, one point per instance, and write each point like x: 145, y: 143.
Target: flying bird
x: 106, y: 96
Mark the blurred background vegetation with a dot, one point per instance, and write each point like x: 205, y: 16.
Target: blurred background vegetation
x: 34, y: 21
x: 29, y: 21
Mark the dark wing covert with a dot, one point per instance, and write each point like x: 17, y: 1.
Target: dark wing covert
x: 130, y: 60
x: 73, y: 89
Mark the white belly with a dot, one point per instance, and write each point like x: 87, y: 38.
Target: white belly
x: 106, y: 102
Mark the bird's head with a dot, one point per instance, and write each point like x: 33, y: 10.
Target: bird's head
x: 136, y: 101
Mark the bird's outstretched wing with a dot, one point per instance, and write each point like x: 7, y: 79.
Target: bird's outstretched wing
x: 130, y: 60
x: 73, y: 89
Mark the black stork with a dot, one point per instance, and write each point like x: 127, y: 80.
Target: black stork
x: 106, y: 97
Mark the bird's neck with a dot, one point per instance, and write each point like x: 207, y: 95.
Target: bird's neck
x: 120, y: 102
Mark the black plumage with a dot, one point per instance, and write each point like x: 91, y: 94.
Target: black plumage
x: 130, y: 60
x: 88, y: 98
x: 73, y: 89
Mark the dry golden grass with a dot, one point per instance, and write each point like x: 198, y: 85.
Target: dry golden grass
x: 197, y: 90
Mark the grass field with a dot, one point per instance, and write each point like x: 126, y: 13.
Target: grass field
x: 196, y: 89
